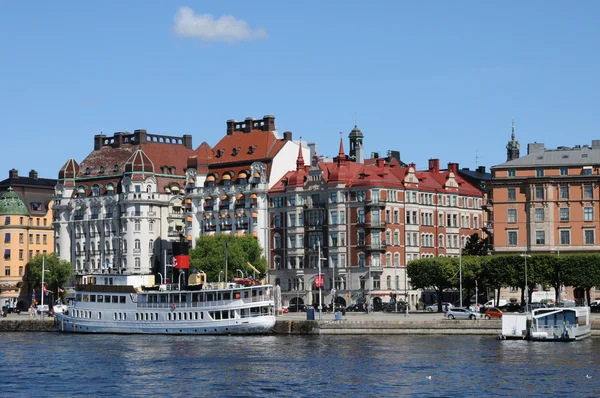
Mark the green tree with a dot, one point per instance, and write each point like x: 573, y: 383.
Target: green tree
x: 471, y: 271
x: 583, y: 272
x: 209, y: 256
x: 437, y: 273
x: 475, y: 246
x: 58, y: 272
x: 498, y: 272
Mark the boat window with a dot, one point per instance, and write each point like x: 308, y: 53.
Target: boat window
x: 99, y: 315
x: 122, y: 299
x: 107, y: 299
x: 115, y: 316
x: 201, y: 297
x: 146, y: 316
x: 246, y: 293
x: 124, y: 316
x: 163, y: 298
x: 86, y: 298
x: 179, y: 316
x: 137, y: 316
x: 210, y: 297
x: 195, y: 315
x: 217, y: 315
x: 92, y: 298
x: 237, y: 295
x: 115, y: 299
x: 100, y: 298
x: 169, y: 316
x: 227, y: 296
x: 184, y: 298
x: 156, y: 316
x: 175, y: 298
x: 78, y: 297
x: 231, y: 314
x: 185, y: 316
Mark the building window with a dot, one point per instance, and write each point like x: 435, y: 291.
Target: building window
x: 334, y: 218
x: 512, y: 194
x: 511, y: 215
x: 564, y: 214
x: 540, y: 237
x: 20, y: 254
x: 512, y: 173
x: 564, y: 171
x: 539, y: 214
x: 7, y: 254
x: 587, y: 171
x: 396, y: 238
x: 588, y: 235
x: 7, y: 221
x: 539, y: 193
x: 588, y: 214
x: 587, y: 192
x: 361, y: 259
x: 277, y: 241
x: 7, y: 237
x: 441, y: 240
x: 565, y: 237
x: 334, y: 197
x: 138, y: 226
x: 539, y: 172
x: 512, y: 238
x: 564, y: 192
x: 7, y: 270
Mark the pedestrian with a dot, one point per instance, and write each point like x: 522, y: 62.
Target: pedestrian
x: 31, y: 311
x: 406, y: 310
x: 417, y: 306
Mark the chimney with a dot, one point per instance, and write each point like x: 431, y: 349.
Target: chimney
x: 117, y: 140
x: 13, y: 173
x: 434, y: 165
x: 535, y: 147
x: 453, y: 167
x: 187, y: 141
x: 231, y: 126
x: 391, y: 154
x: 595, y: 144
x: 380, y: 162
x: 375, y: 155
x: 287, y: 136
x: 481, y: 170
x: 314, y: 149
x: 140, y: 137
x: 98, y: 141
x: 33, y: 174
x: 269, y: 123
x: 249, y: 123
x: 360, y: 153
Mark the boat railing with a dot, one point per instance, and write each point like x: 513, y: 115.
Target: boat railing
x: 196, y: 304
x: 554, y: 330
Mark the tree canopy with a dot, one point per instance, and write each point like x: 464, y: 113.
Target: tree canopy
x: 209, y: 256
x: 58, y: 272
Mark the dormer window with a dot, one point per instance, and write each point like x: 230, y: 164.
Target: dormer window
x: 172, y: 169
x: 220, y: 152
x: 251, y: 149
x: 235, y: 151
x: 101, y: 169
x: 116, y: 168
x: 87, y: 171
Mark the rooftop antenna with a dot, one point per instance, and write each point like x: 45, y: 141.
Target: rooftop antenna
x: 513, y: 129
x: 476, y: 159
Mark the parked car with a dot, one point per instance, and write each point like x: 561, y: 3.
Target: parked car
x: 461, y: 313
x: 493, y: 313
x: 492, y: 303
x: 434, y: 307
x: 297, y: 308
x: 511, y: 307
x: 595, y: 306
x: 399, y: 306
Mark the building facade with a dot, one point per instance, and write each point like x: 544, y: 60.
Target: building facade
x: 227, y: 184
x: 26, y: 227
x: 120, y: 208
x: 363, y: 221
x: 547, y: 201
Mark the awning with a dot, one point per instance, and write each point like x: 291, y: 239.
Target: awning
x: 242, y: 175
x: 224, y: 197
x: 253, y: 196
x: 210, y: 178
x: 206, y: 217
x: 188, y: 200
x: 226, y: 177
x: 208, y: 198
x: 257, y: 175
x: 240, y: 196
x: 255, y: 214
x: 255, y: 234
x: 191, y: 181
x: 189, y: 237
x: 188, y: 219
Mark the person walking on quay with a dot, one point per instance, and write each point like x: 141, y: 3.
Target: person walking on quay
x: 406, y: 310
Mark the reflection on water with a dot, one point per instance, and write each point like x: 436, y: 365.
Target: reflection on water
x: 75, y: 365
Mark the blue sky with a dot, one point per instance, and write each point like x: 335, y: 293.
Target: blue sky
x: 431, y: 79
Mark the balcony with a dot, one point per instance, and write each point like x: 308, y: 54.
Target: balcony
x: 78, y: 217
x: 209, y: 206
x: 151, y: 214
x: 176, y: 214
x: 488, y: 225
x: 95, y: 216
x: 210, y: 228
x: 175, y: 233
x: 372, y: 224
x: 226, y: 227
x: 381, y: 246
x: 136, y: 214
x: 375, y: 203
x: 108, y: 215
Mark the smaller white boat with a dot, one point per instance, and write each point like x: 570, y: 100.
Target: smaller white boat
x: 59, y: 307
x: 548, y: 324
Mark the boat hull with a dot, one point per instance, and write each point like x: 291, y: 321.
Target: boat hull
x: 246, y: 326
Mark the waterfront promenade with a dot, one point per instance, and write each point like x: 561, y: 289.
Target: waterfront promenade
x: 353, y: 323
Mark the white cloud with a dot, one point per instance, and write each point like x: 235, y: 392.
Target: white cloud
x: 206, y: 28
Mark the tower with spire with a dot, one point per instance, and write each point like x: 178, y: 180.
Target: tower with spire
x: 356, y: 143
x: 513, y: 146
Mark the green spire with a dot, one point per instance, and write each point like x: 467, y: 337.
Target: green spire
x: 11, y: 204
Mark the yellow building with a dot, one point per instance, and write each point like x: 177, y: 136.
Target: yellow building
x: 25, y: 231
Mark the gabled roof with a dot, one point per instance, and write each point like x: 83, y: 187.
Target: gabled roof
x: 562, y: 156
x: 242, y: 147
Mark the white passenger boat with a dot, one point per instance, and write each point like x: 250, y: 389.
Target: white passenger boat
x: 548, y: 324
x: 133, y: 304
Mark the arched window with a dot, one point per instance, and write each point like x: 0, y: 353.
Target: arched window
x: 396, y: 238
x: 124, y: 246
x: 151, y: 246
x: 441, y: 240
x: 388, y: 237
x: 277, y: 242
x: 388, y: 281
x: 58, y: 249
x: 95, y: 190
x: 149, y: 188
x: 388, y: 259
x: 93, y: 262
x: 116, y: 168
x: 138, y: 262
x: 78, y: 248
x: 361, y: 259
x: 277, y: 260
x: 396, y: 260
x: 137, y: 244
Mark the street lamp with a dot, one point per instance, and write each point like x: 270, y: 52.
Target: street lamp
x: 44, y: 270
x: 220, y: 272
x: 525, y: 255
x: 241, y: 272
